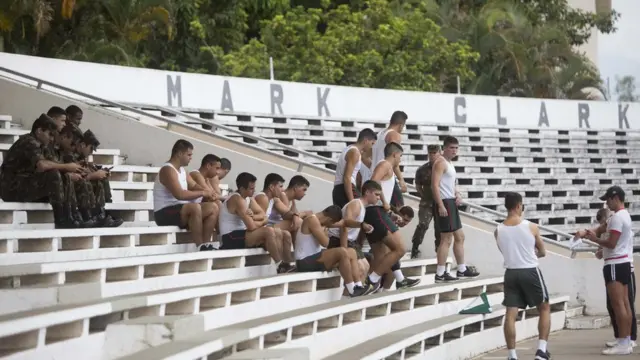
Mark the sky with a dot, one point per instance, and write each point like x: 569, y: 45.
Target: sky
x: 618, y: 53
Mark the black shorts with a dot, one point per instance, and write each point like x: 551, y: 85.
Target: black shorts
x: 339, y: 196
x: 451, y: 222
x: 617, y: 272
x: 381, y: 222
x: 397, y: 200
x: 234, y: 240
x: 334, y: 242
x: 524, y: 287
x: 310, y: 263
x: 169, y: 216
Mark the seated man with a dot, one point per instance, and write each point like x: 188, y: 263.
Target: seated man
x: 286, y: 216
x: 90, y: 190
x: 27, y: 176
x: 173, y: 191
x: 347, y: 231
x: 242, y: 221
x: 311, y: 255
x: 385, y: 240
x: 268, y: 199
x: 225, y: 168
x: 209, y: 168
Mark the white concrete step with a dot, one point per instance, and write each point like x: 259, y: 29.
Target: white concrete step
x: 106, y: 157
x: 5, y: 121
x: 305, y: 322
x: 452, y: 337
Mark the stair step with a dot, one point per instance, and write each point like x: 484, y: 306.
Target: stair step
x: 574, y: 311
x: 587, y: 322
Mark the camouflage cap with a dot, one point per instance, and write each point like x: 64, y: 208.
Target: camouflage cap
x: 91, y: 139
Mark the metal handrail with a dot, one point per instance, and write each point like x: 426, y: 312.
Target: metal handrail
x: 41, y: 82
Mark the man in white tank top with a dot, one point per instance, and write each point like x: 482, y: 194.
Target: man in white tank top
x: 285, y: 214
x: 242, y: 221
x: 617, y: 268
x: 173, y: 193
x: 344, y: 186
x: 602, y: 217
x: 269, y: 200
x: 312, y: 255
x: 520, y: 243
x: 393, y: 133
x: 365, y: 172
x: 447, y: 220
x: 209, y: 168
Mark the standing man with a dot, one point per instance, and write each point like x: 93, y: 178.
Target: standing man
x: 617, y: 266
x: 392, y: 134
x: 173, y: 193
x: 520, y: 243
x: 344, y: 186
x: 447, y: 222
x: 425, y: 211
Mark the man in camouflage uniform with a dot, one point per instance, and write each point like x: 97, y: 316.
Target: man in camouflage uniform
x: 26, y: 175
x: 90, y: 190
x: 425, y: 212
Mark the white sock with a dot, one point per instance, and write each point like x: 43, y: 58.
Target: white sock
x: 462, y: 267
x: 626, y: 341
x: 374, y: 277
x: 512, y: 354
x: 399, y: 275
x: 350, y: 287
x: 359, y: 283
x: 440, y: 270
x: 542, y: 345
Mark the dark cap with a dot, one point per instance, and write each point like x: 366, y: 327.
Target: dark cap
x: 431, y: 148
x: 613, y: 191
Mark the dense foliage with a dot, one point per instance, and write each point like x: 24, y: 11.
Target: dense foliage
x: 504, y: 47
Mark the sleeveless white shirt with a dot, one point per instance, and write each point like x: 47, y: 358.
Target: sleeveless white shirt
x: 377, y: 152
x: 275, y: 217
x: 365, y: 173
x: 267, y: 212
x: 518, y: 245
x: 352, y: 233
x: 448, y: 182
x: 162, y: 197
x: 306, y: 245
x: 228, y: 222
x: 387, y: 185
x: 342, y: 164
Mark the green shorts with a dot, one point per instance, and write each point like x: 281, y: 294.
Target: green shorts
x: 310, y: 263
x: 524, y: 287
x: 381, y: 223
x: 449, y: 223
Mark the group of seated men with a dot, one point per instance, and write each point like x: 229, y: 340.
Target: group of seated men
x: 271, y: 220
x: 50, y: 164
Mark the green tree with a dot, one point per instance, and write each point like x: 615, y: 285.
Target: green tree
x: 374, y: 47
x: 626, y: 88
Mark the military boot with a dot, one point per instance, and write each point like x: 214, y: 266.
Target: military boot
x: 62, y: 218
x: 88, y: 221
x: 104, y: 219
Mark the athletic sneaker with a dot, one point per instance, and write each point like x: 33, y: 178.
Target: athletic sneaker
x: 615, y: 342
x: 362, y: 290
x: 446, y: 277
x: 407, y: 283
x: 285, y: 268
x: 206, y: 247
x: 375, y: 286
x: 618, y: 349
x: 540, y: 355
x: 471, y: 272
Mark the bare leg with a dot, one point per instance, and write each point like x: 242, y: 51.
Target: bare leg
x: 355, y: 267
x: 510, y: 327
x: 443, y: 249
x: 544, y: 322
x: 340, y: 258
x: 210, y: 213
x: 287, y: 255
x: 396, y: 247
x: 618, y: 293
x: 264, y: 236
x: 191, y: 215
x: 458, y: 247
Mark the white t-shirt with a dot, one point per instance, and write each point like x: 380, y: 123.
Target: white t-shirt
x: 620, y: 222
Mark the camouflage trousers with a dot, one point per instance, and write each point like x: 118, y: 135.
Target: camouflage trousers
x: 49, y: 186
x: 90, y: 194
x: 425, y: 215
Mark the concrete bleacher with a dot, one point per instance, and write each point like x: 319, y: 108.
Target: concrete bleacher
x: 140, y: 291
x: 561, y: 173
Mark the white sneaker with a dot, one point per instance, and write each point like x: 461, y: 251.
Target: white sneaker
x: 615, y: 342
x: 618, y: 350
